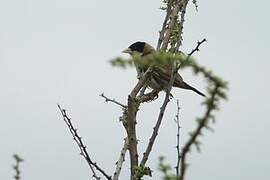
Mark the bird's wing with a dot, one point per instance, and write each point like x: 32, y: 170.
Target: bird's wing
x: 164, y: 74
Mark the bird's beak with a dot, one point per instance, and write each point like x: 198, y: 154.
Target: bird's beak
x: 128, y: 51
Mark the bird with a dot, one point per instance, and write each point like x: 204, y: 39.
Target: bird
x: 160, y: 77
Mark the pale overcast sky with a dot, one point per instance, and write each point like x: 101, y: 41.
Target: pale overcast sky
x: 57, y: 51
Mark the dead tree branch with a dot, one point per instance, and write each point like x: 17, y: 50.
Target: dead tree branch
x: 199, y: 43
x: 113, y: 101
x: 197, y: 47
x: 177, y: 121
x: 78, y: 139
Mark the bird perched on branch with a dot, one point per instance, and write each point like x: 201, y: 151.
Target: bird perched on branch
x: 160, y: 77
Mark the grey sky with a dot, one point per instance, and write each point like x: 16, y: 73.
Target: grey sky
x: 57, y: 51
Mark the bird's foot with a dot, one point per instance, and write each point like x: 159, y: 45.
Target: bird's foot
x: 148, y: 97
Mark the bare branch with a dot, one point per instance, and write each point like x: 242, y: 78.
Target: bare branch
x: 199, y: 43
x: 121, y: 160
x: 177, y: 121
x: 82, y: 147
x: 113, y: 101
x: 196, y: 48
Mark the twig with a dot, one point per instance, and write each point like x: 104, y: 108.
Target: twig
x: 113, y: 101
x: 121, y: 160
x: 199, y: 43
x: 196, y: 48
x: 16, y: 167
x: 177, y: 121
x: 197, y: 132
x: 82, y: 147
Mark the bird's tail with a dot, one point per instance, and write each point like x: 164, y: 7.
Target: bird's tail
x: 186, y: 86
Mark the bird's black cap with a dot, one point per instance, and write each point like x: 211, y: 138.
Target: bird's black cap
x: 137, y: 46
